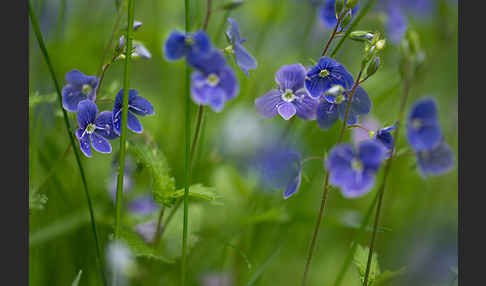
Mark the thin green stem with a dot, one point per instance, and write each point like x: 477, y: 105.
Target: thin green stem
x: 45, y: 54
x: 221, y: 26
x: 158, y: 231
x: 326, y: 183
x: 353, y: 25
x: 333, y: 35
x: 110, y: 41
x: 187, y: 168
x: 401, y: 113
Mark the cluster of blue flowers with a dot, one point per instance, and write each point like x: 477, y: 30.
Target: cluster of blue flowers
x: 213, y: 82
x: 79, y: 95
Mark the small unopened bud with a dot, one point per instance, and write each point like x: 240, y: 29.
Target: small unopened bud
x: 380, y: 44
x: 361, y: 36
x: 373, y: 67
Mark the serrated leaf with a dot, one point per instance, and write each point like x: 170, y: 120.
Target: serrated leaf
x: 78, y: 277
x: 140, y: 248
x: 163, y: 185
x: 388, y: 275
x: 198, y: 191
x: 360, y: 260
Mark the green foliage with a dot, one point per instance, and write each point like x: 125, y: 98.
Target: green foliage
x: 152, y: 158
x: 385, y: 277
x: 37, y: 200
x: 360, y: 260
x: 140, y: 248
x: 77, y: 278
x: 197, y: 191
x: 35, y: 98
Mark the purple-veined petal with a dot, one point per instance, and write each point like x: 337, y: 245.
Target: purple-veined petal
x: 326, y: 114
x: 306, y: 106
x: 229, y: 83
x: 266, y: 105
x: 217, y: 99
x: 99, y: 143
x: 71, y: 96
x: 86, y: 113
x: 293, y: 186
x: 358, y: 185
x: 104, y: 125
x: 233, y: 31
x: 290, y: 77
x: 244, y: 59
x: 133, y: 123
x: 84, y: 143
x: 286, y: 110
x: 175, y: 46
x: 140, y: 106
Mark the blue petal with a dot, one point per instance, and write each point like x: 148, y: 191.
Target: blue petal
x: 371, y: 154
x: 233, y: 31
x: 338, y: 164
x: 217, y: 99
x: 287, y: 110
x: 104, y: 125
x: 327, y: 13
x: 133, y: 123
x: 385, y: 138
x: 360, y: 105
x: 143, y: 205
x: 140, y: 106
x: 132, y: 93
x: 99, y: 143
x: 202, y: 43
x: 293, y: 186
x: 266, y: 105
x: 306, y: 106
x: 359, y: 184
x: 338, y: 75
x: 86, y: 113
x: 427, y: 134
x: 243, y: 59
x: 228, y: 82
x: 211, y: 62
x: 77, y: 78
x: 279, y: 167
x: 396, y: 25
x: 142, y: 51
x: 71, y: 96
x: 175, y: 46
x: 290, y: 77
x: 326, y: 114
x: 84, y: 143
x: 437, y: 161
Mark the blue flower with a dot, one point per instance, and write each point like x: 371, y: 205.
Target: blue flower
x: 214, y: 82
x: 384, y: 136
x: 354, y: 170
x: 79, y: 87
x: 396, y: 25
x: 436, y: 161
x: 327, y: 13
x: 290, y: 98
x: 94, y: 130
x: 143, y: 205
x: 325, y: 74
x: 333, y: 105
x: 423, y: 130
x: 281, y: 168
x: 189, y: 45
x: 147, y: 230
x: 137, y: 105
x: 243, y: 58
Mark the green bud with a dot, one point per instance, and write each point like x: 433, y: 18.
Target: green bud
x: 373, y: 67
x: 338, y: 7
x: 232, y: 5
x: 350, y: 4
x: 380, y: 44
x: 361, y: 36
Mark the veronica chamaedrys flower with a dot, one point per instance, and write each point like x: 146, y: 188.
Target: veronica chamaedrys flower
x: 281, y: 169
x: 189, y: 45
x: 423, y: 129
x: 353, y: 170
x: 436, y: 161
x: 147, y: 230
x: 79, y: 87
x: 327, y: 13
x: 94, y: 130
x: 243, y: 58
x: 290, y: 98
x: 325, y: 74
x: 333, y: 105
x: 396, y: 24
x: 214, y: 82
x: 144, y: 205
x: 384, y: 136
x: 137, y: 105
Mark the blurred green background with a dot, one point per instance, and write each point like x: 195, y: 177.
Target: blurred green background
x: 248, y: 234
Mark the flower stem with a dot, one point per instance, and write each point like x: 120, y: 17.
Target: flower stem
x: 40, y: 40
x: 401, y: 113
x: 124, y: 116
x: 353, y: 25
x: 158, y: 231
x: 208, y: 14
x: 326, y: 181
x: 333, y: 35
x: 110, y: 41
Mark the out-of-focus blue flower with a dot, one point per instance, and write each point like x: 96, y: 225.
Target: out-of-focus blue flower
x: 360, y: 134
x: 327, y: 13
x: 325, y: 74
x: 243, y: 58
x: 396, y: 25
x: 189, y: 45
x: 147, y: 230
x: 280, y: 168
x: 141, y: 51
x: 354, y: 170
x: 436, y: 161
x: 143, y: 205
x: 333, y: 105
x: 217, y: 279
x: 290, y: 98
x: 214, y: 82
x: 384, y: 136
x: 79, y: 87
x: 417, y: 7
x: 423, y: 129
x: 121, y: 262
x: 94, y: 130
x: 137, y: 105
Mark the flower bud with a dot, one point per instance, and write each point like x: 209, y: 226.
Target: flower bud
x: 380, y: 44
x: 361, y: 36
x: 346, y: 18
x: 373, y: 67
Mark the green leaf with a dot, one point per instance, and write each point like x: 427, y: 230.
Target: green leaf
x: 360, y: 260
x: 78, y: 277
x: 198, y: 191
x: 232, y: 5
x: 388, y: 275
x: 36, y: 98
x: 140, y: 248
x: 163, y: 185
x: 274, y: 215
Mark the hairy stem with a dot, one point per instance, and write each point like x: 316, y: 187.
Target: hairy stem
x: 45, y: 54
x: 326, y: 182
x: 401, y: 113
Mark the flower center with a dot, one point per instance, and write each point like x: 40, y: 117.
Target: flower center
x: 189, y: 40
x: 86, y: 89
x: 229, y: 49
x: 288, y: 95
x: 416, y: 123
x: 213, y: 79
x: 90, y: 128
x: 356, y: 165
x: 323, y: 73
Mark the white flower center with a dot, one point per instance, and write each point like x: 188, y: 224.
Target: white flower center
x: 86, y: 89
x: 90, y: 128
x: 416, y: 123
x: 288, y: 95
x: 356, y: 165
x: 213, y: 79
x: 323, y: 73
